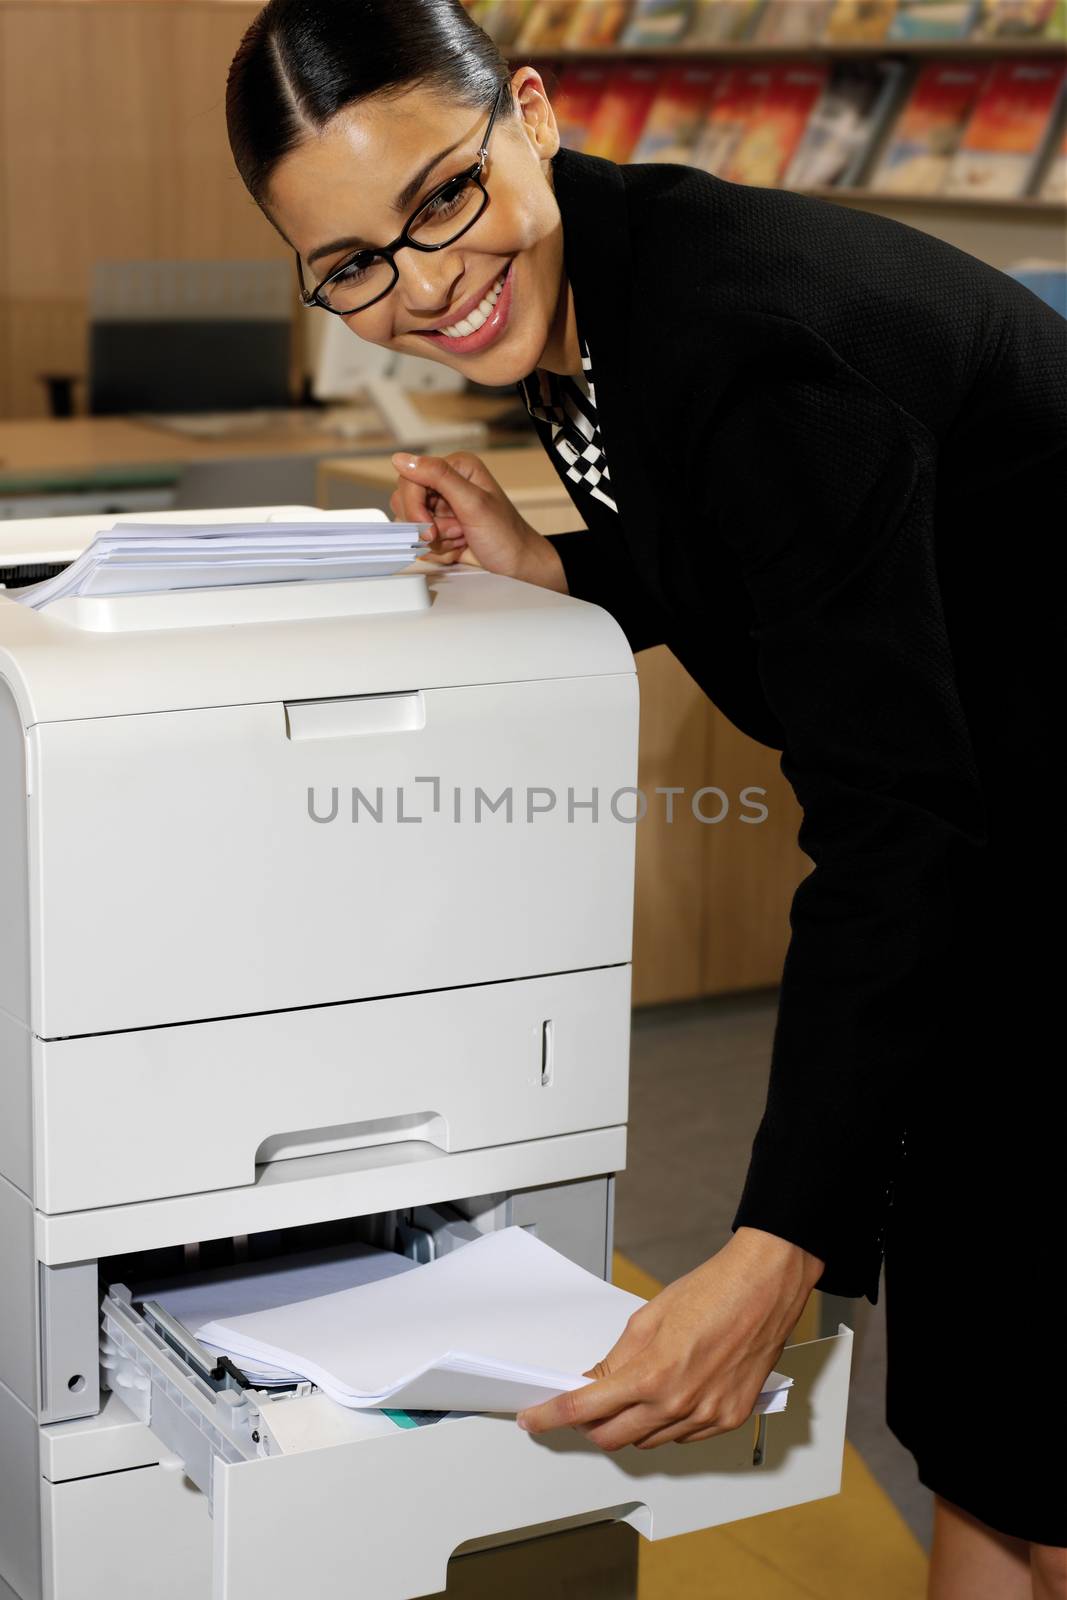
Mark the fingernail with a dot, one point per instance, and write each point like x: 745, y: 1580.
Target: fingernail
x: 404, y: 461
x: 522, y: 1424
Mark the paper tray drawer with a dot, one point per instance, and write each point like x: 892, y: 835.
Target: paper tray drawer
x: 177, y: 1111
x: 382, y: 1515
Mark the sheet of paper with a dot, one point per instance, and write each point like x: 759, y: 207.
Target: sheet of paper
x: 222, y: 1292
x: 501, y: 1323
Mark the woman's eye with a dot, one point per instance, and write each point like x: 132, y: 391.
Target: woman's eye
x: 447, y: 202
x: 353, y: 270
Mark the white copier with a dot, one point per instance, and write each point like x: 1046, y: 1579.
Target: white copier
x: 316, y: 924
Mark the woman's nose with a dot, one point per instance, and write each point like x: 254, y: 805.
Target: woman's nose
x: 427, y: 281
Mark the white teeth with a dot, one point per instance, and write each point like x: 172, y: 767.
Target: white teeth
x: 474, y: 319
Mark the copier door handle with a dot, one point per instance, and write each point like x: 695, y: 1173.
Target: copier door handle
x: 349, y: 715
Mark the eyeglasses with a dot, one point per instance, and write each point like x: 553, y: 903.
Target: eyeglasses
x: 369, y: 275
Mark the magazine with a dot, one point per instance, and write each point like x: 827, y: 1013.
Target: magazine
x: 1009, y: 130
x: 545, y: 25
x: 724, y: 21
x: 929, y: 128
x: 622, y: 110
x: 933, y: 19
x: 1053, y: 185
x: 1013, y: 19
x: 734, y: 107
x: 678, y: 113
x: 785, y: 22
x: 596, y: 24
x: 657, y: 22
x: 845, y: 127
x: 859, y: 21
x: 772, y: 134
x: 581, y: 89
x: 502, y: 20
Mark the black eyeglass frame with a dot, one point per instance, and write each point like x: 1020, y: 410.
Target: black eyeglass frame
x: 472, y: 174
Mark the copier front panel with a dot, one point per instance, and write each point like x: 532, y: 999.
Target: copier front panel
x: 317, y: 922
x: 212, y: 863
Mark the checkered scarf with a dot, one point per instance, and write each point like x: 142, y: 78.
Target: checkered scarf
x: 570, y: 408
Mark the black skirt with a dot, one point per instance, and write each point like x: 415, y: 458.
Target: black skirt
x: 976, y: 1242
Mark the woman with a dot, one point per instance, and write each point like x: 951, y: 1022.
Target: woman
x: 818, y: 454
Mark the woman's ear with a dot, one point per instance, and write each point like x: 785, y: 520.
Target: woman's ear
x: 535, y: 111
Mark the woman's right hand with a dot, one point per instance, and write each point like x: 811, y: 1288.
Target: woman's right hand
x: 473, y: 519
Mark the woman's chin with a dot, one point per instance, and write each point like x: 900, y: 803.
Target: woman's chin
x: 496, y: 368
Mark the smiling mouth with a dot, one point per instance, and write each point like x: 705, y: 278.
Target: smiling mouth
x: 476, y: 317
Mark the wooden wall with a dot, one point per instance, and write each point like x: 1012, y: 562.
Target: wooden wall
x: 711, y: 913
x: 112, y: 146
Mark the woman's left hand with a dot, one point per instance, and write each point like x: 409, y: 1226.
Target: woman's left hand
x: 692, y: 1362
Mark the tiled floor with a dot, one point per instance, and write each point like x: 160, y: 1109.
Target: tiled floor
x: 698, y: 1080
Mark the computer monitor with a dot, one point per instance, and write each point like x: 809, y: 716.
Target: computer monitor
x: 173, y: 336
x: 339, y: 362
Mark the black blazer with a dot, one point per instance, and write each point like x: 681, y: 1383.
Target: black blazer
x: 822, y: 427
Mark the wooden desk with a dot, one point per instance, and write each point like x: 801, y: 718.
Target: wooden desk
x: 83, y: 453
x: 712, y: 898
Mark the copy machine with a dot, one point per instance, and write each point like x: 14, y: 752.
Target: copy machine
x: 280, y: 963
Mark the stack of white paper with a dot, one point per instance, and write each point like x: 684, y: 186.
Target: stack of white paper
x: 217, y: 1293
x: 501, y: 1323
x: 145, y: 558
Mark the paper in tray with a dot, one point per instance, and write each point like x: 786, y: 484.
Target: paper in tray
x: 221, y: 1292
x: 499, y: 1324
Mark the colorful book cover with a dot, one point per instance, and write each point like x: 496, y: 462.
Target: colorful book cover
x: 1053, y: 185
x: 1051, y: 146
x: 657, y: 22
x: 859, y: 21
x: 1008, y: 131
x: 732, y: 111
x: 933, y: 19
x: 847, y: 123
x: 791, y: 23
x: 1013, y: 19
x: 724, y: 21
x: 770, y: 139
x: 678, y: 113
x: 1056, y: 26
x: 502, y: 20
x: 929, y: 128
x: 597, y: 24
x: 581, y: 89
x: 545, y: 26
x: 622, y: 111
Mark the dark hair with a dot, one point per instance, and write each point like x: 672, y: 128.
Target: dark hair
x: 302, y: 61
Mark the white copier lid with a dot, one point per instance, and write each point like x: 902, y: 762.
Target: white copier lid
x: 477, y: 628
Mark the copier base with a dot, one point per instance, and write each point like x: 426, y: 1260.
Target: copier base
x: 592, y: 1563
x: 124, y: 1535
